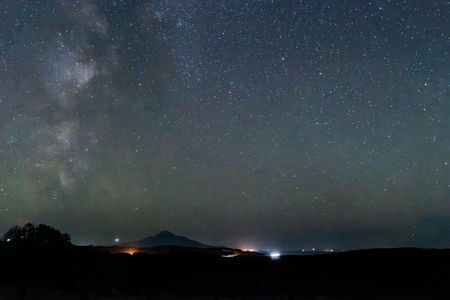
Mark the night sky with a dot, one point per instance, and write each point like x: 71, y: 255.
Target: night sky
x: 288, y: 124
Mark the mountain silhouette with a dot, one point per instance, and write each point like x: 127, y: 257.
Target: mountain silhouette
x: 167, y: 238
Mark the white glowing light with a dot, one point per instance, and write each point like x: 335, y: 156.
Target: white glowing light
x: 117, y: 240
x: 8, y: 240
x: 275, y: 255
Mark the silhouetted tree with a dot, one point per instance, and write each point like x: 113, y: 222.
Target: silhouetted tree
x: 41, y: 235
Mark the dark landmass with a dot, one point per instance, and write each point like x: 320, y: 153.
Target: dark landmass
x: 72, y: 272
x: 166, y: 238
x: 39, y: 262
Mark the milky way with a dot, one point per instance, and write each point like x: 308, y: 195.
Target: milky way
x: 247, y: 123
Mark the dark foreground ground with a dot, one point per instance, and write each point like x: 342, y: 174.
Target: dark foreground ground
x: 85, y: 273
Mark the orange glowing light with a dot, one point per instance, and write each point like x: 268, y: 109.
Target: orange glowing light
x: 130, y: 251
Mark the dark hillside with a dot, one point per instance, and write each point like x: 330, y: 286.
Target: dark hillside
x: 382, y: 274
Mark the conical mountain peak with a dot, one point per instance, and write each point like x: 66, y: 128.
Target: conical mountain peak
x: 167, y: 238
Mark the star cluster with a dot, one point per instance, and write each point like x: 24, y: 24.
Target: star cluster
x: 290, y: 123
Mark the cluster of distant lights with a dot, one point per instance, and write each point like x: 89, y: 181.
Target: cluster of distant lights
x: 271, y: 253
x: 276, y: 254
x: 321, y: 250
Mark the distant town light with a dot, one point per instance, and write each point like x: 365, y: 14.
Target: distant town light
x: 275, y: 255
x: 117, y: 240
x: 131, y: 251
x: 229, y: 255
